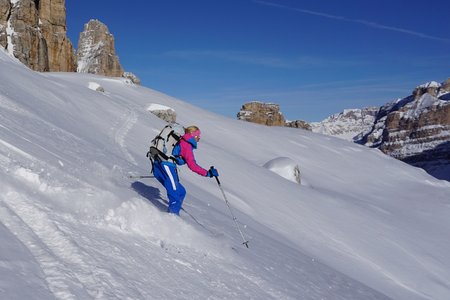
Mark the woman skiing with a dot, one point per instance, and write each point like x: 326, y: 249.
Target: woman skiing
x: 166, y: 171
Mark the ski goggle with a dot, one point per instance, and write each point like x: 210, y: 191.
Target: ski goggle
x: 196, y: 134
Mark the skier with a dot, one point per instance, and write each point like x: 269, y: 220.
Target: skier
x: 166, y: 171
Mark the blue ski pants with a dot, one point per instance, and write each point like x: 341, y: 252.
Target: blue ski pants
x: 167, y: 175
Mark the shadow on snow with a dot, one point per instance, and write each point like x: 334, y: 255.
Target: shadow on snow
x: 152, y: 194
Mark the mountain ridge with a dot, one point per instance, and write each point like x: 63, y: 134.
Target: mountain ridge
x: 414, y: 129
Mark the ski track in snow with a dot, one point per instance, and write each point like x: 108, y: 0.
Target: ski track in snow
x: 16, y: 150
x: 129, y: 119
x: 70, y: 271
x: 32, y: 227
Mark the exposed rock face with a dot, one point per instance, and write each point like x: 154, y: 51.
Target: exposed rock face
x: 35, y: 33
x: 416, y: 129
x: 96, y: 53
x: 299, y: 124
x: 350, y: 124
x: 427, y: 88
x: 5, y: 8
x: 262, y: 113
x: 410, y: 126
x: 24, y: 39
x: 52, y: 17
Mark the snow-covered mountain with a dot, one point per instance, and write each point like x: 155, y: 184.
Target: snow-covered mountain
x: 414, y: 129
x: 361, y: 225
x: 350, y: 125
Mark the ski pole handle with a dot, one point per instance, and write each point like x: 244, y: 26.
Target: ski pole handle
x: 217, y: 178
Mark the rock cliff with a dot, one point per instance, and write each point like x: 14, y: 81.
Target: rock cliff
x: 52, y: 21
x: 35, y: 33
x: 416, y: 129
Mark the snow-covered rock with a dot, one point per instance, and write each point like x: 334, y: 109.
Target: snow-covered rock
x: 132, y: 78
x: 285, y: 167
x: 96, y: 87
x: 163, y: 112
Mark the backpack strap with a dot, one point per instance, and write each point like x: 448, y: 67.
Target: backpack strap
x: 176, y: 137
x: 154, y: 152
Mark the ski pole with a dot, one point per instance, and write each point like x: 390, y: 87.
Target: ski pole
x: 140, y: 176
x: 196, y: 221
x: 231, y: 212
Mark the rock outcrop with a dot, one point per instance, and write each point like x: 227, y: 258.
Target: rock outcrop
x: 35, y: 33
x: 299, y: 124
x: 268, y: 114
x: 96, y: 52
x: 427, y: 88
x: 132, y: 78
x: 163, y: 112
x: 262, y: 113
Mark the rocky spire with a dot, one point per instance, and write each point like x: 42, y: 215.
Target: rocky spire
x: 96, y: 53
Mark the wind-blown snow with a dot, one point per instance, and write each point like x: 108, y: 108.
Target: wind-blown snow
x: 74, y: 226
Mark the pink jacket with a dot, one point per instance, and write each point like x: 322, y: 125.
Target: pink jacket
x: 187, y: 146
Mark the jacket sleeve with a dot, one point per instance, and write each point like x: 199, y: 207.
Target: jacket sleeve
x: 188, y: 155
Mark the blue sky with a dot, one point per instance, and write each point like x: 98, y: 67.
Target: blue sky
x: 314, y: 58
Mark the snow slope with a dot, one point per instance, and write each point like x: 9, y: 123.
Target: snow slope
x: 72, y: 225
